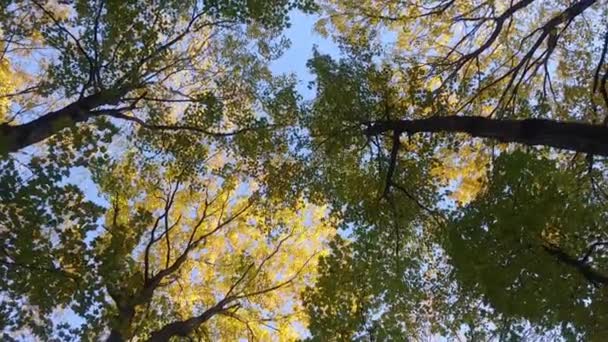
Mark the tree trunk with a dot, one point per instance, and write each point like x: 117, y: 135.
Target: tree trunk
x: 573, y: 136
x: 16, y: 137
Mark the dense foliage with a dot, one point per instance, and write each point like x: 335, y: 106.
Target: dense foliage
x: 447, y: 179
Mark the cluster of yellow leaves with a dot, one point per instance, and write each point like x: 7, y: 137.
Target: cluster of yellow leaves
x: 430, y: 32
x: 464, y: 170
x: 12, y: 78
x: 280, y: 250
x: 266, y: 253
x: 7, y: 86
x: 551, y: 235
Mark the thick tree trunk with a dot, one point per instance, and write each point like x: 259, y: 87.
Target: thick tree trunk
x: 579, y: 137
x: 126, y: 312
x: 127, y: 307
x: 16, y: 137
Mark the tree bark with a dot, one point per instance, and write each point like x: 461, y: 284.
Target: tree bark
x: 16, y: 137
x: 573, y: 136
x: 186, y: 327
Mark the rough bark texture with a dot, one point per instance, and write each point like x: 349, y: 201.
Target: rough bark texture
x: 579, y: 137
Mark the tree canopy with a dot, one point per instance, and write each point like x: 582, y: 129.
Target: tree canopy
x: 159, y: 181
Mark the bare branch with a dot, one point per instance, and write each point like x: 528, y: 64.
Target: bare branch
x: 117, y: 113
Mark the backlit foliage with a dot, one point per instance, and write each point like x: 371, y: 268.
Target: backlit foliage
x: 446, y: 179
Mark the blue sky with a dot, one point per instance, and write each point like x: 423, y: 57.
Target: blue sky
x: 303, y: 39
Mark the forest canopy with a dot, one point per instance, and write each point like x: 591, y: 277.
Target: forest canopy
x: 445, y: 178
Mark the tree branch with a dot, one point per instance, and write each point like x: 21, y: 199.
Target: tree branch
x: 573, y: 136
x: 584, y: 269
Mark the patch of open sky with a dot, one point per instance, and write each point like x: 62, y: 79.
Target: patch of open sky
x: 303, y: 40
